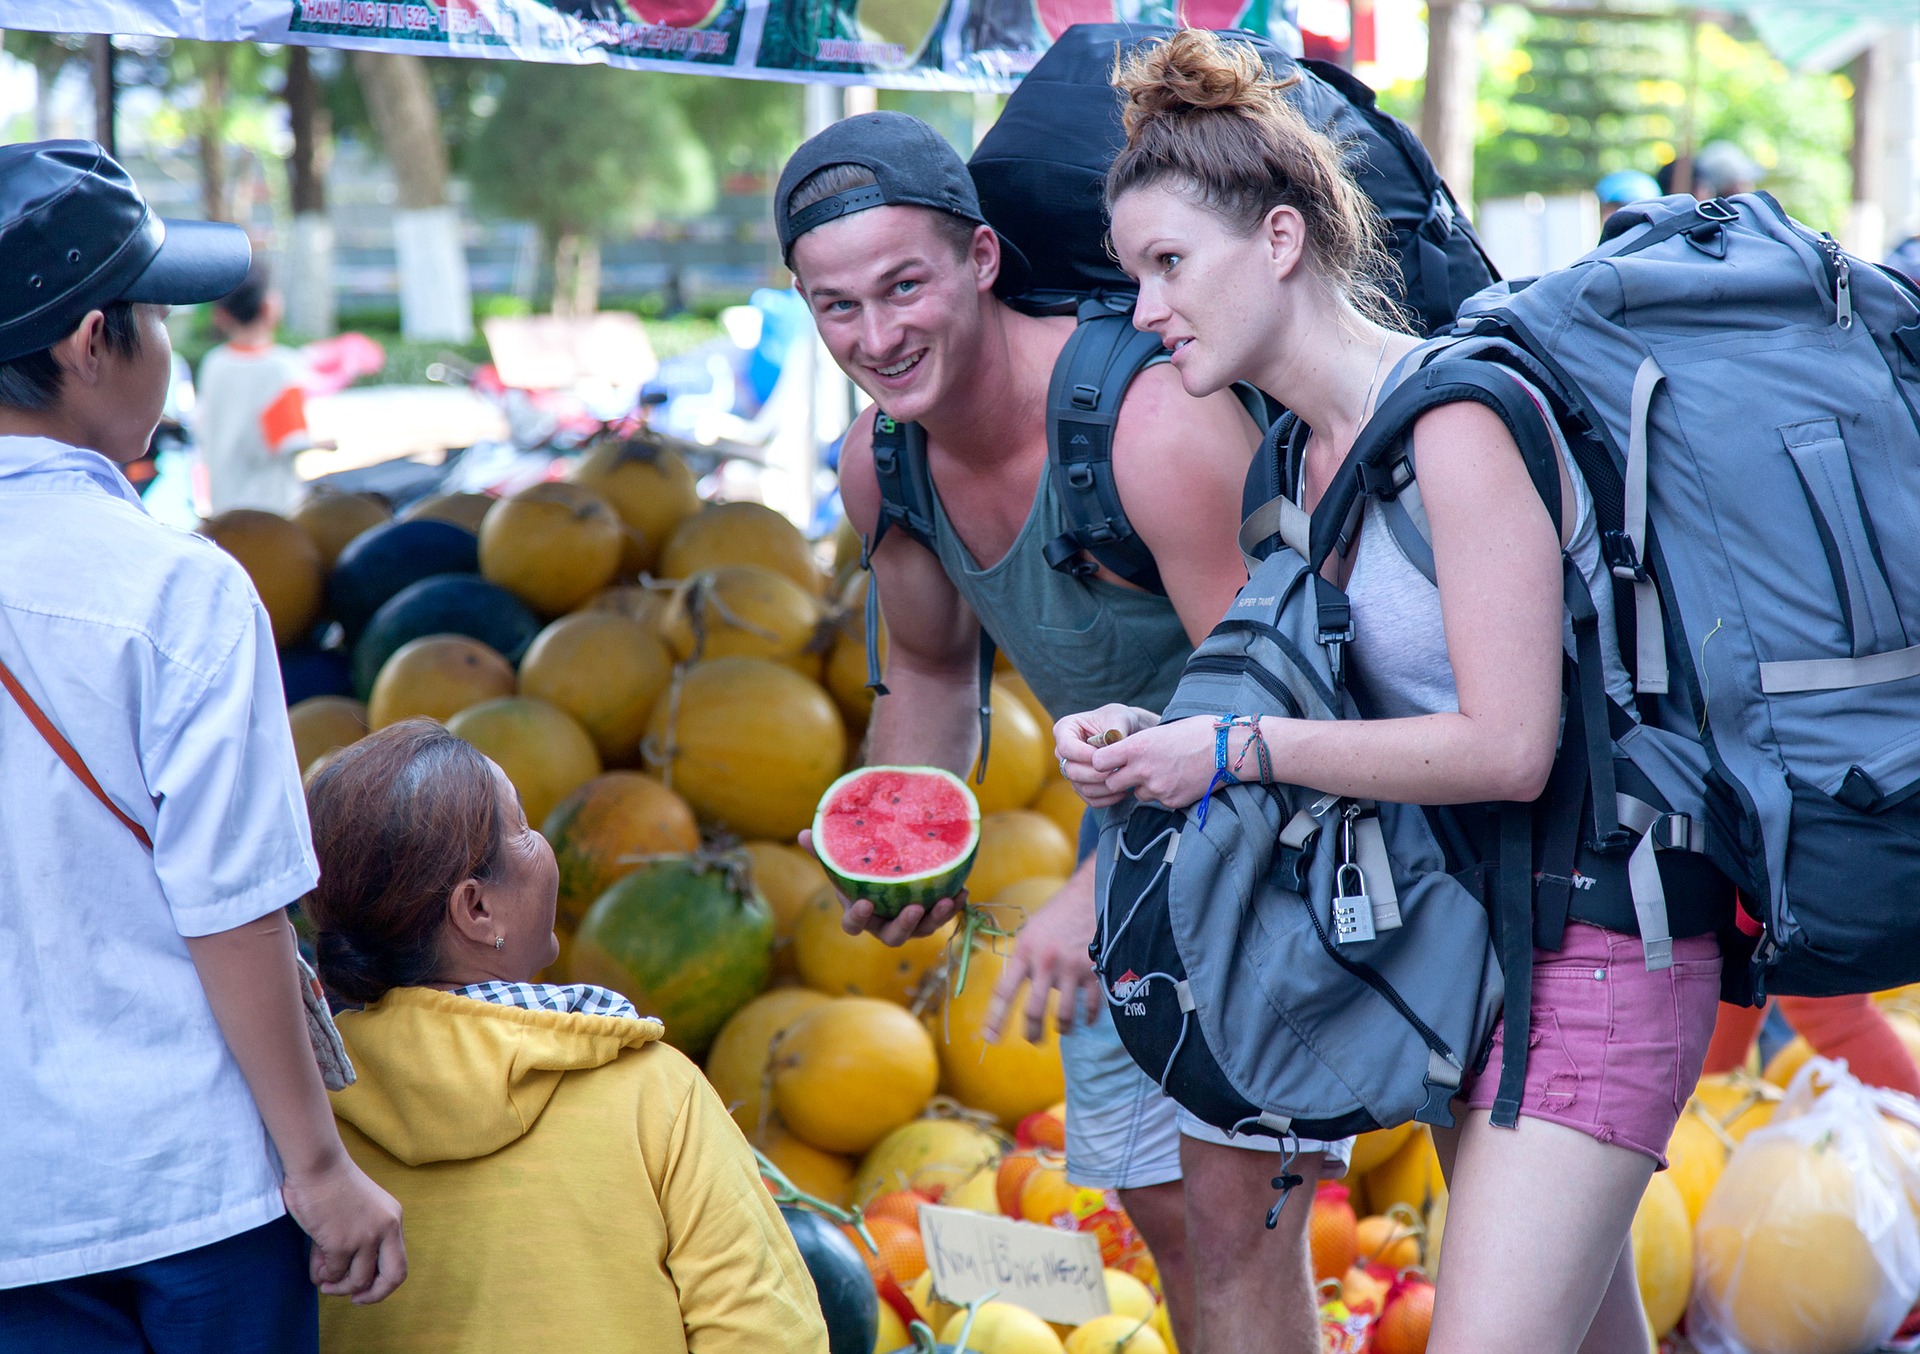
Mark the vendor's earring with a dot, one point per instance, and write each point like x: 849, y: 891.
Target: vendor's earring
x: 499, y: 942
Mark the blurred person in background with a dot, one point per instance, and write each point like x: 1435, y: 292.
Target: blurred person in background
x: 1622, y: 187
x: 1904, y: 259
x: 1720, y: 169
x: 252, y: 413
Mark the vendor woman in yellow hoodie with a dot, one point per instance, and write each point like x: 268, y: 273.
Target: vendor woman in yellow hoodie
x: 568, y: 1181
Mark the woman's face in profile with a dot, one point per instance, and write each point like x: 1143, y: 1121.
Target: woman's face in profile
x: 524, y: 890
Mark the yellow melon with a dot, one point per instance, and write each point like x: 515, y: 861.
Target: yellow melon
x: 1002, y: 1328
x: 1663, y: 1253
x: 848, y: 1073
x: 1016, y: 685
x: 977, y: 1193
x: 647, y: 483
x: 607, y: 671
x: 332, y: 519
x: 788, y: 877
x: 1017, y: 844
x: 1008, y: 1079
x: 737, y: 1061
x: 604, y: 829
x: 831, y: 961
x: 1695, y: 1158
x: 323, y: 723
x: 1059, y: 801
x: 1018, y: 754
x: 751, y: 745
x: 436, y: 677
x: 846, y: 668
x: 1436, y: 1219
x: 552, y: 545
x: 745, y: 611
x: 1374, y: 1149
x: 1016, y: 902
x: 932, y: 1310
x: 891, y: 1333
x: 1738, y: 1101
x: 545, y: 753
x: 1411, y: 1176
x: 928, y: 1155
x: 646, y: 603
x: 1781, y: 1262
x: 282, y: 561
x: 463, y: 510
x: 1163, y: 1323
x: 1116, y: 1334
x: 740, y: 533
x: 1789, y: 1059
x: 827, y: 1176
x: 1127, y: 1295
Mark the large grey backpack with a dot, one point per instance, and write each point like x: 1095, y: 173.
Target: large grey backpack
x: 1743, y: 400
x: 1280, y: 961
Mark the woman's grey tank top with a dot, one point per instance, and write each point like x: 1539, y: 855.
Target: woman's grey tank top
x: 1399, y: 650
x: 1079, y: 642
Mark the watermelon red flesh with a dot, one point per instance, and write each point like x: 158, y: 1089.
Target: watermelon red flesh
x: 897, y: 835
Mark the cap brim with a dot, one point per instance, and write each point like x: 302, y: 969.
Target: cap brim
x: 198, y: 261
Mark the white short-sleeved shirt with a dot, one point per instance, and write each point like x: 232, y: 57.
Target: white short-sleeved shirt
x: 250, y: 419
x: 126, y: 1130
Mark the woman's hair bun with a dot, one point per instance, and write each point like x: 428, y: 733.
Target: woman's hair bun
x: 1192, y: 71
x: 347, y: 970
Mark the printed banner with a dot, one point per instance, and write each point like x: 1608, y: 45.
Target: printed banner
x: 979, y: 45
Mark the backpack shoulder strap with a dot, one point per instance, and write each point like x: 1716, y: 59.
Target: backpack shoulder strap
x: 906, y: 485
x: 1090, y: 380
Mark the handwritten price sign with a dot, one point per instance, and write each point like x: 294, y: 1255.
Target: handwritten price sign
x: 1053, y: 1274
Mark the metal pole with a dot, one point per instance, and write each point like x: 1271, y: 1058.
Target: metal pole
x: 100, y: 53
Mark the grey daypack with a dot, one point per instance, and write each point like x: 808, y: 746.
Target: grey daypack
x: 1742, y: 398
x: 1283, y: 962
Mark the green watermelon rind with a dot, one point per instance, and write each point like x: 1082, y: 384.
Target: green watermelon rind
x: 892, y: 896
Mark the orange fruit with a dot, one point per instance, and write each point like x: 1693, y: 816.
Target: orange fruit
x: 604, y: 669
x: 740, y: 533
x: 1049, y: 1197
x: 1042, y: 1128
x: 1362, y: 1287
x: 898, y: 1251
x: 1388, y: 1241
x: 282, y: 561
x: 1406, y: 1319
x: 333, y: 519
x: 902, y: 1205
x: 1011, y: 1178
x: 552, y: 545
x: 436, y: 677
x: 1332, y: 1233
x: 545, y: 753
x: 323, y: 723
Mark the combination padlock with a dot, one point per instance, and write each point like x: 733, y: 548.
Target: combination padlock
x: 1352, y: 908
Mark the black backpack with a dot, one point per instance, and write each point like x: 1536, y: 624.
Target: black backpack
x: 1040, y: 172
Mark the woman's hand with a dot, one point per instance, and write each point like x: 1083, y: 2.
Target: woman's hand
x: 1170, y: 764
x: 354, y: 1226
x: 1074, y: 745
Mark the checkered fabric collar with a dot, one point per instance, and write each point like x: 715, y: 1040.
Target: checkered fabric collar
x: 574, y: 998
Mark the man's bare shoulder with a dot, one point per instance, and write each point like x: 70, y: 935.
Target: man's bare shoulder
x: 859, y: 489
x: 1161, y: 426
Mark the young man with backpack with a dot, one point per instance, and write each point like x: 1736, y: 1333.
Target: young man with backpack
x: 882, y: 225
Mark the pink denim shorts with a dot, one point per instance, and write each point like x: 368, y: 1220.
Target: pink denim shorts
x: 1615, y: 1050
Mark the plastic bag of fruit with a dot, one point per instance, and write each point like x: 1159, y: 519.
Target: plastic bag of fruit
x: 1808, y: 1244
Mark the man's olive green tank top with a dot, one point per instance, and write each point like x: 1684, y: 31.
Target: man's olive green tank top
x: 1079, y: 642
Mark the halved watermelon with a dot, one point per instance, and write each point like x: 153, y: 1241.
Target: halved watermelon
x: 897, y: 835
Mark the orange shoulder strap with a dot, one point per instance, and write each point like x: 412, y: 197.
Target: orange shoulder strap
x: 64, y: 751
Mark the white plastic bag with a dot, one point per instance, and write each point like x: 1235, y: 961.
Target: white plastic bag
x: 1808, y: 1243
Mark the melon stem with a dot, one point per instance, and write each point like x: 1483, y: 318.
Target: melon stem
x: 785, y: 1192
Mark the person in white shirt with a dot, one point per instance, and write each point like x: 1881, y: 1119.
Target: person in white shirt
x: 166, y: 1138
x: 252, y: 413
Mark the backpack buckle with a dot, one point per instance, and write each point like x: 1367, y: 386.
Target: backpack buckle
x: 1617, y: 549
x: 1080, y: 476
x: 1085, y: 397
x: 1717, y: 209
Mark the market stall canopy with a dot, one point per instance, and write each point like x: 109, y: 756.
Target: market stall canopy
x: 978, y: 45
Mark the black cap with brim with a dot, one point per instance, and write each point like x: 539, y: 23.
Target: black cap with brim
x: 77, y: 235
x: 913, y: 166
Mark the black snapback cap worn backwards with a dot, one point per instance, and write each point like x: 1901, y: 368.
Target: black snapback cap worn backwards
x: 913, y: 166
x: 76, y: 235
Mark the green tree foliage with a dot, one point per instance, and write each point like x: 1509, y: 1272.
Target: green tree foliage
x: 1564, y: 101
x: 582, y: 151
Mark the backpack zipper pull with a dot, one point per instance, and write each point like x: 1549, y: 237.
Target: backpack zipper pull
x: 1842, y: 291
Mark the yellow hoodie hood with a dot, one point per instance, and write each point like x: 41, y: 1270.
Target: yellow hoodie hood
x: 449, y: 1078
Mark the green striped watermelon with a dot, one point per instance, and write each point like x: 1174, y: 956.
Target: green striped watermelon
x: 897, y: 835
x: 685, y: 938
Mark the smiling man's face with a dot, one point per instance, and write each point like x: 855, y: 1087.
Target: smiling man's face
x: 897, y: 302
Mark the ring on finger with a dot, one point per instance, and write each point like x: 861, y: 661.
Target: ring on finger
x: 1063, y: 766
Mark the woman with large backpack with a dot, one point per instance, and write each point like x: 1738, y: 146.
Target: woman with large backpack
x: 1258, y: 260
